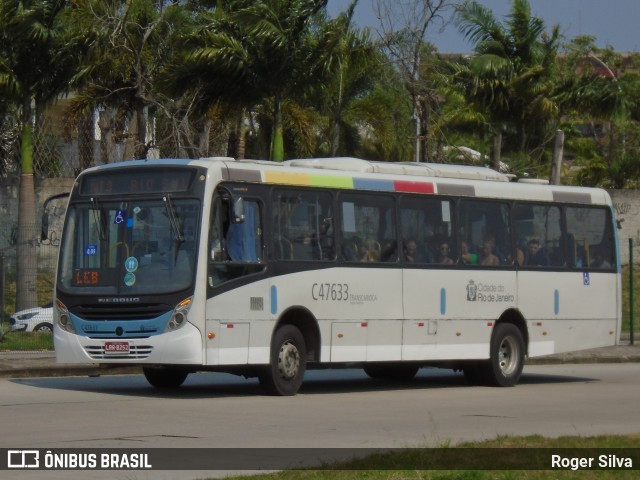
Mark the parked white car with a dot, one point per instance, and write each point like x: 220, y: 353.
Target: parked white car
x: 39, y: 319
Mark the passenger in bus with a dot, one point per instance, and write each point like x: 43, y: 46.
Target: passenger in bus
x: 411, y: 251
x: 355, y: 251
x: 488, y: 258
x: 443, y: 254
x: 466, y: 256
x: 536, y: 256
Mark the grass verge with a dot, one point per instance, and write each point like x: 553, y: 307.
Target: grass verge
x: 25, y: 341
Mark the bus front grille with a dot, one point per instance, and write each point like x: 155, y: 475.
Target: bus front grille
x: 136, y: 352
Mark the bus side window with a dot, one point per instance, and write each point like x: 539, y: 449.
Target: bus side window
x: 591, y: 238
x: 303, y: 225
x: 484, y: 226
x: 367, y: 228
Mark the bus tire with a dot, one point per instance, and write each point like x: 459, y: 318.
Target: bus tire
x: 285, y: 372
x: 506, y: 359
x: 165, y: 377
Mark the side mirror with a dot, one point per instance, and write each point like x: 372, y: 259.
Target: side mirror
x: 238, y: 210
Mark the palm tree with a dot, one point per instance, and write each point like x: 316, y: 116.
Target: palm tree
x: 37, y: 61
x: 595, y: 90
x: 347, y: 68
x: 250, y: 51
x: 510, y: 75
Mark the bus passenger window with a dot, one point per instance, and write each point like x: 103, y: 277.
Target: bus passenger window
x: 303, y: 225
x: 484, y: 227
x: 427, y: 229
x: 538, y: 233
x: 368, y: 228
x: 591, y: 239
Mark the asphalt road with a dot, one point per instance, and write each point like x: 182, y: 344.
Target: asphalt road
x: 334, y: 409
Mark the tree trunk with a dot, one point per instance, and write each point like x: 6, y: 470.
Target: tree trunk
x: 141, y: 138
x: 203, y: 138
x: 496, y: 151
x: 277, y: 139
x: 107, y: 148
x: 241, y: 139
x: 26, y: 252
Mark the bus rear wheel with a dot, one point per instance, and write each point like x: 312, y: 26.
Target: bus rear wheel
x: 165, y: 377
x: 506, y: 359
x: 285, y: 372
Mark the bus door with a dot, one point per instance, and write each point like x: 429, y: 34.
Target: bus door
x: 238, y: 296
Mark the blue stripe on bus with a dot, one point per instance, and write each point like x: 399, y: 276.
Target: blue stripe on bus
x: 274, y: 299
x: 443, y: 301
x: 556, y: 302
x: 373, y: 184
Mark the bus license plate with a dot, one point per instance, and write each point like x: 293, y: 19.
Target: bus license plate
x: 116, y: 348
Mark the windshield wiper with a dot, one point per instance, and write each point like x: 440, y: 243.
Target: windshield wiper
x: 99, y: 218
x: 173, y: 217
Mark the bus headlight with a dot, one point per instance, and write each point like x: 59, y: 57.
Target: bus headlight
x: 179, y: 316
x: 64, y: 320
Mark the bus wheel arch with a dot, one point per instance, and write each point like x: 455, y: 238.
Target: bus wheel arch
x: 294, y: 342
x: 306, y: 323
x: 508, y: 348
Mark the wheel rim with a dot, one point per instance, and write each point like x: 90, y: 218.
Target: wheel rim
x: 288, y: 360
x: 508, y: 356
x: 44, y: 329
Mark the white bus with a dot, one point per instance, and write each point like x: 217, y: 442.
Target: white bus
x: 265, y: 269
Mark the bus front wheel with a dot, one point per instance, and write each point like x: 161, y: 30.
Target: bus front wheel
x: 165, y: 377
x: 287, y: 365
x: 506, y: 359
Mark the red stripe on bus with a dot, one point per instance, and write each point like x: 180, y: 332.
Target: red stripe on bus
x: 413, y: 187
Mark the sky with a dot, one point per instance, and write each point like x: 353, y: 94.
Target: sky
x: 613, y: 23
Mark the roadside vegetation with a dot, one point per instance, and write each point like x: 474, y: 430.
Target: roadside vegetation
x: 381, y: 466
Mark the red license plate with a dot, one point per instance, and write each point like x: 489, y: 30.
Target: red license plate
x: 116, y: 348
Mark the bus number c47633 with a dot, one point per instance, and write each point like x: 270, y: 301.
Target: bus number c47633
x: 337, y: 292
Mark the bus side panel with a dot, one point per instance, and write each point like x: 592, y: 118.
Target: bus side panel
x: 358, y: 309
x: 239, y: 325
x: 568, y: 311
x: 450, y: 312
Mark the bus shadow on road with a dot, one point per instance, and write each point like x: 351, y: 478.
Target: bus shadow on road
x: 317, y: 382
x: 427, y: 378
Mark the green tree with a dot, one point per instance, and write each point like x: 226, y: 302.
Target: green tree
x: 346, y: 70
x: 132, y: 41
x: 510, y: 75
x: 38, y: 60
x: 598, y: 95
x: 250, y: 51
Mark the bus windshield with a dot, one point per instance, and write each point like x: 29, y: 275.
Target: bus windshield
x: 141, y: 246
